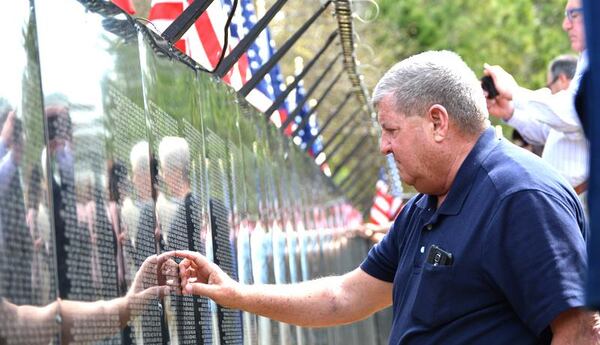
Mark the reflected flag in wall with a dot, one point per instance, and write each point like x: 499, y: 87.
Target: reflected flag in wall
x: 386, y: 206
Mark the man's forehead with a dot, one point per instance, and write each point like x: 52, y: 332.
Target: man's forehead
x: 387, y: 114
x: 573, y: 4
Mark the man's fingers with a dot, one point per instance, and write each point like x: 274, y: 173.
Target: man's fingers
x: 196, y: 257
x: 203, y: 266
x: 486, y: 69
x: 200, y: 289
x: 157, y: 291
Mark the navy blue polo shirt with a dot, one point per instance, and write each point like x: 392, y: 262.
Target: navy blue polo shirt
x: 515, y: 230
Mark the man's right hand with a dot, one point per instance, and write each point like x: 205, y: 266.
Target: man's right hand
x: 321, y: 302
x: 201, y: 277
x: 501, y: 106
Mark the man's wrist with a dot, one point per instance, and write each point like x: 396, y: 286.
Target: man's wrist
x: 510, y: 111
x: 242, y: 294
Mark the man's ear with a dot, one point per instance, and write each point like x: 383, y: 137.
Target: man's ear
x: 564, y: 81
x: 438, y: 116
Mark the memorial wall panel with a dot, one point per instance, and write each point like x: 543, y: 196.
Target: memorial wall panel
x: 288, y: 183
x: 253, y: 135
x: 276, y: 212
x: 77, y: 95
x: 220, y: 130
x: 247, y: 213
x: 27, y: 259
x: 171, y: 97
x: 299, y: 205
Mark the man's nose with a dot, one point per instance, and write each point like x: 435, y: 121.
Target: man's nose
x: 566, y: 24
x: 384, y: 146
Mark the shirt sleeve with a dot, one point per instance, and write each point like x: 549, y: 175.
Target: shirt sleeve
x: 533, y: 131
x: 554, y: 110
x: 382, y: 260
x: 536, y: 256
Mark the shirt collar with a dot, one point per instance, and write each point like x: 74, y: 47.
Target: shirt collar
x: 464, y: 177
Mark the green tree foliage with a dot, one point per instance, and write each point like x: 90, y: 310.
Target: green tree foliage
x: 520, y: 35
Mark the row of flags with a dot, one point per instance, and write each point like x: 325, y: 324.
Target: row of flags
x: 204, y: 43
x: 387, y: 202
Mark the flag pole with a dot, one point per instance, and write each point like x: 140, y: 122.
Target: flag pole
x: 187, y: 18
x: 331, y: 117
x: 340, y: 128
x: 260, y: 74
x: 309, y: 93
x: 281, y: 98
x: 344, y: 139
x: 358, y: 170
x: 361, y: 188
x: 360, y: 144
x: 319, y: 101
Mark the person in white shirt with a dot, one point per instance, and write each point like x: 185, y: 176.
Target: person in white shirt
x: 551, y: 119
x: 561, y: 71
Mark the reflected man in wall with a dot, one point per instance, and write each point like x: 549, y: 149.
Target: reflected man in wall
x: 59, y: 152
x: 27, y: 324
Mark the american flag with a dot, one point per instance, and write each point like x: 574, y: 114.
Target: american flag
x: 204, y: 42
x: 125, y: 5
x: 351, y: 217
x: 310, y: 129
x: 386, y: 205
x: 259, y: 52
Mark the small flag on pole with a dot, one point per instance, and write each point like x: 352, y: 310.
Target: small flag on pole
x: 386, y: 206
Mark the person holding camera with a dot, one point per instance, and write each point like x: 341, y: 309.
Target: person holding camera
x: 551, y: 119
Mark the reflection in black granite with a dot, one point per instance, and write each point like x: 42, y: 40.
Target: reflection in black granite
x: 88, y: 197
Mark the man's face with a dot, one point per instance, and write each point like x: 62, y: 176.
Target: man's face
x: 557, y: 84
x: 574, y: 26
x: 405, y: 138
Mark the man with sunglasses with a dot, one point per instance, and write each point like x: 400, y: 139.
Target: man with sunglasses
x: 551, y: 119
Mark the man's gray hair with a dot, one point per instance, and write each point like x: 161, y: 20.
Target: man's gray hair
x: 563, y: 64
x: 174, y: 155
x: 435, y: 77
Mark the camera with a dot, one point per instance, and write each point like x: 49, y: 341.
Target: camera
x: 487, y: 83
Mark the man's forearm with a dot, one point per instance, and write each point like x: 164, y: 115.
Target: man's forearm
x: 114, y: 314
x: 311, y: 304
x: 318, y: 303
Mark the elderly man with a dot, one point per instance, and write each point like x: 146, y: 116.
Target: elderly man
x: 546, y: 118
x: 491, y: 252
x: 560, y: 73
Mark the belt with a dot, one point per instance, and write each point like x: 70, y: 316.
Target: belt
x: 582, y: 187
